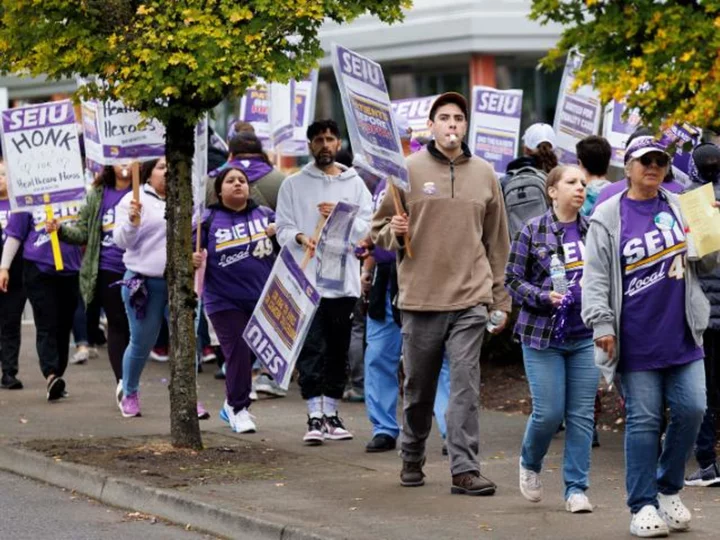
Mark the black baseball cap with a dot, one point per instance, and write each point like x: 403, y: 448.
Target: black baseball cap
x: 450, y: 97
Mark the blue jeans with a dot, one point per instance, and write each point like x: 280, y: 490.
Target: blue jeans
x: 143, y: 332
x: 682, y: 389
x: 382, y: 359
x: 563, y: 381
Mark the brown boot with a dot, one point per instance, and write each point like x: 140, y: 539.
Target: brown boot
x: 412, y: 474
x: 472, y: 483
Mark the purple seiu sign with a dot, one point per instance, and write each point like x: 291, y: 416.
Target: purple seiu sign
x: 495, y: 125
x: 361, y: 68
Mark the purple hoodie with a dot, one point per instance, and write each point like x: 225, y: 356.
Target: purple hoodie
x: 240, y: 255
x: 254, y: 167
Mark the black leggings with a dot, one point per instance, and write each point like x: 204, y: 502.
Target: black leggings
x: 118, y: 331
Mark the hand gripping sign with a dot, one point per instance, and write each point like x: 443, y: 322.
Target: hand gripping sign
x: 368, y: 114
x: 42, y: 155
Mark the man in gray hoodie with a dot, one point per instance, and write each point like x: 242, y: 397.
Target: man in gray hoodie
x: 305, y: 200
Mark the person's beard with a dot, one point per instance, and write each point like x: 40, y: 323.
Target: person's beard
x: 324, y: 159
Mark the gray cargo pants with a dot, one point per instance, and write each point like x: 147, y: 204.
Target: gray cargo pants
x: 425, y: 336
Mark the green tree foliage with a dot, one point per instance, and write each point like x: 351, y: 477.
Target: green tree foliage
x: 662, y: 57
x: 174, y: 60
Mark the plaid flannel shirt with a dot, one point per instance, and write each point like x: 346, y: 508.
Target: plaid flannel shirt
x: 527, y: 276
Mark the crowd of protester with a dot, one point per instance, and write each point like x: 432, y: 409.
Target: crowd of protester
x: 603, y: 275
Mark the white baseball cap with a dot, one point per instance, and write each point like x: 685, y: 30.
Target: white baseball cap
x: 537, y: 134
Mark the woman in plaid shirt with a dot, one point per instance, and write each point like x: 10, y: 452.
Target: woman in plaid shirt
x: 557, y: 347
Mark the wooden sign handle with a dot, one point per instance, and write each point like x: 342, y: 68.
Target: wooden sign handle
x: 399, y: 211
x: 136, y: 180
x: 315, y: 236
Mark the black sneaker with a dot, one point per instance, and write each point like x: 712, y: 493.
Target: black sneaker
x: 707, y: 477
x: 596, y: 440
x: 380, y: 443
x: 412, y: 474
x: 10, y: 382
x: 315, y: 435
x: 56, y: 389
x: 444, y: 449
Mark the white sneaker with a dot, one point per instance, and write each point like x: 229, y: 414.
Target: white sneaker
x: 93, y: 352
x: 242, y: 422
x: 81, y: 356
x: 647, y: 523
x: 253, y: 395
x: 578, y: 503
x: 530, y: 484
x: 119, y: 393
x: 674, y: 512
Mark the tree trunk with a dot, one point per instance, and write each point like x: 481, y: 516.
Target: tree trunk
x: 180, y: 146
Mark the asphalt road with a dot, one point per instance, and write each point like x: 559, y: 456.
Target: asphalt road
x: 30, y: 510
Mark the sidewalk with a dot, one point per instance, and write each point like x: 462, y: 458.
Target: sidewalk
x: 333, y: 491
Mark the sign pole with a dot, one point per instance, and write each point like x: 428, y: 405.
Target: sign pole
x: 399, y: 211
x: 315, y: 236
x: 54, y: 240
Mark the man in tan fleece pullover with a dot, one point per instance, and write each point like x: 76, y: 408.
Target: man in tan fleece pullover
x: 455, y: 217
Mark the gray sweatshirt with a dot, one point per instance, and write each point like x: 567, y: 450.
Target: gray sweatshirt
x: 602, y: 291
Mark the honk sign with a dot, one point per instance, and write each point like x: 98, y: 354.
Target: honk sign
x: 42, y: 155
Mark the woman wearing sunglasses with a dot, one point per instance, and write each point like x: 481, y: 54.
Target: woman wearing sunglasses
x: 643, y: 301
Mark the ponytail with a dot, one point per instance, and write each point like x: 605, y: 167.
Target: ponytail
x: 545, y: 157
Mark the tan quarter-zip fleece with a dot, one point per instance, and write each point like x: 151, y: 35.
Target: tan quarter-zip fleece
x: 459, y: 235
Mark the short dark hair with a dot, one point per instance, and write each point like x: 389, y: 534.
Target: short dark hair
x: 220, y: 178
x: 246, y: 143
x: 321, y: 126
x: 594, y: 154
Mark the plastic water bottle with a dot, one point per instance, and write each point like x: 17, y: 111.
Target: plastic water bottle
x: 558, y: 275
x: 497, y: 318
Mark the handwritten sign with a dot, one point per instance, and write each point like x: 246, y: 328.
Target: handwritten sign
x: 277, y: 328
x: 116, y: 134
x: 42, y: 155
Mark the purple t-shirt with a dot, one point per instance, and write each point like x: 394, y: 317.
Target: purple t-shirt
x: 4, y: 216
x: 616, y: 187
x: 30, y: 230
x: 654, y: 333
x: 111, y: 256
x: 240, y: 257
x: 574, y: 255
x: 381, y: 255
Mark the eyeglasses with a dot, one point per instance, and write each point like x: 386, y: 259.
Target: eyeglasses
x: 661, y: 160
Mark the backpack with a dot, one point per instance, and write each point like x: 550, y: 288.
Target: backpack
x: 524, y: 194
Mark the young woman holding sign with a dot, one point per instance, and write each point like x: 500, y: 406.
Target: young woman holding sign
x: 140, y: 229
x: 236, y: 239
x: 103, y: 261
x: 52, y: 293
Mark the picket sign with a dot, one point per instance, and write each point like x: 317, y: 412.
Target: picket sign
x: 368, y: 114
x: 43, y: 161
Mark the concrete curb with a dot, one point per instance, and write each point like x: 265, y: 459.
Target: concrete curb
x: 128, y: 494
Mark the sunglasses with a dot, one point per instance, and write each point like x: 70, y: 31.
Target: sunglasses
x: 661, y: 160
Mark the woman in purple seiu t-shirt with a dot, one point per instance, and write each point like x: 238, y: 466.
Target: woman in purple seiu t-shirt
x: 557, y: 347
x: 236, y: 234
x: 53, y: 293
x: 102, y: 264
x: 643, y: 300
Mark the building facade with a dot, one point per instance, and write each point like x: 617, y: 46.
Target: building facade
x: 452, y: 45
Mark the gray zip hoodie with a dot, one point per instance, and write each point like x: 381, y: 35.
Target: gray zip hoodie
x: 602, y: 291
